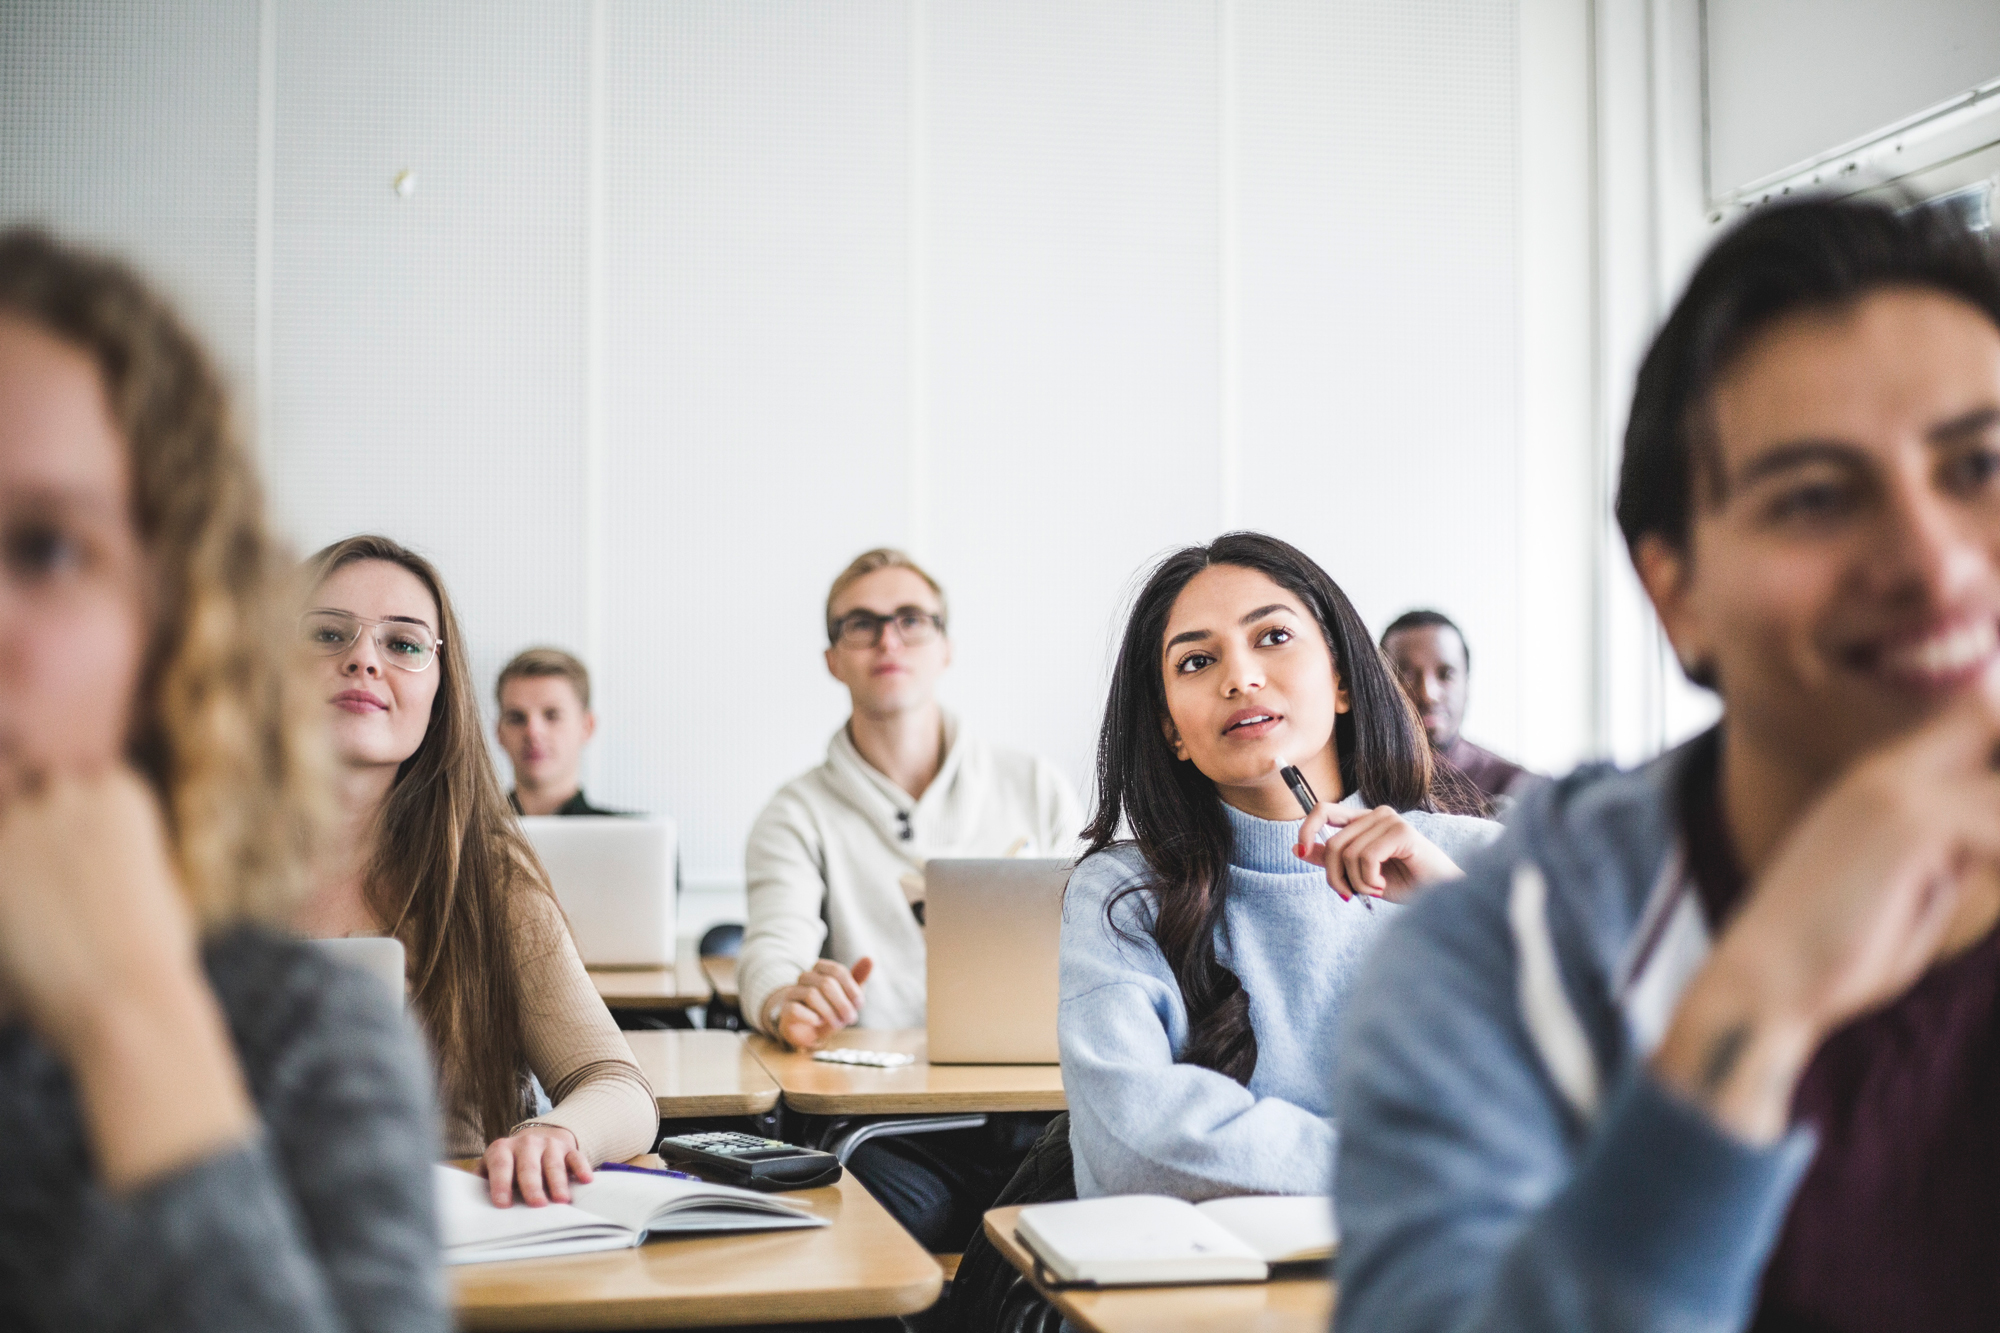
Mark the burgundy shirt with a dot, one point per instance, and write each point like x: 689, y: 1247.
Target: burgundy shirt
x: 1489, y: 772
x: 1897, y: 1223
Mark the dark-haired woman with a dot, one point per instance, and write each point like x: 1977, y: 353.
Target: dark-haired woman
x: 1206, y: 958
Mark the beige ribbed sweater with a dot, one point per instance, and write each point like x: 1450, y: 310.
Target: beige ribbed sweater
x: 573, y: 1047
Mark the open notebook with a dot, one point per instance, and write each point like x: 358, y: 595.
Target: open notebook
x: 616, y: 1210
x: 1153, y: 1240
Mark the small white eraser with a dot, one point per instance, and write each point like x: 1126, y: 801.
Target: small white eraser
x: 877, y: 1059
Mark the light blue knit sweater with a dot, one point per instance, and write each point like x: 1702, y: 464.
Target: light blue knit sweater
x: 1139, y: 1122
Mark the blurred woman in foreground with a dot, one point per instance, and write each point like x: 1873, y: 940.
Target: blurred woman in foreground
x: 209, y: 1125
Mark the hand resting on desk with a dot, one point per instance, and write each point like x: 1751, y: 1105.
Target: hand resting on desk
x: 825, y: 999
x: 539, y: 1159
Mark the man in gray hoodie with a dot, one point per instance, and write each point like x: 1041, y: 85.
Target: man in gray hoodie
x: 1716, y: 1043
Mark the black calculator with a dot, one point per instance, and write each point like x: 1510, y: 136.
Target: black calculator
x: 745, y: 1159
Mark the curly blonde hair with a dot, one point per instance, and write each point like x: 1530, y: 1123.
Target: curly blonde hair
x: 221, y: 726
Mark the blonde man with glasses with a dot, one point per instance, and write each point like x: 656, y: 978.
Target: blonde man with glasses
x: 834, y: 865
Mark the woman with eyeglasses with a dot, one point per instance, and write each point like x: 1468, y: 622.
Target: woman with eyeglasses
x: 209, y: 1125
x: 427, y: 851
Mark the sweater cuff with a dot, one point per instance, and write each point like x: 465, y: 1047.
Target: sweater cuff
x: 613, y: 1120
x: 754, y: 988
x: 1677, y: 1204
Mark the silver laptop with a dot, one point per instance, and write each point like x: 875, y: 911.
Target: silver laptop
x: 380, y: 956
x: 614, y: 877
x: 991, y: 930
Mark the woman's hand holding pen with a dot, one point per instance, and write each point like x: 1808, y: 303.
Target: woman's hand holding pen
x: 1371, y: 853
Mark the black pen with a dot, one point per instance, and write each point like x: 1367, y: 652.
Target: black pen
x: 1302, y: 791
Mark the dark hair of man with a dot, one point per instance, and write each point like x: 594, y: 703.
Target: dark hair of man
x: 1426, y: 620
x: 1173, y: 813
x: 1784, y: 259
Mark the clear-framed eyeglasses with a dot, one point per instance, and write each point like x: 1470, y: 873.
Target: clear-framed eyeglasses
x: 402, y: 643
x: 863, y: 629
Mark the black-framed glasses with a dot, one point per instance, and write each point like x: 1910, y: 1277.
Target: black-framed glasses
x: 402, y: 643
x: 863, y: 629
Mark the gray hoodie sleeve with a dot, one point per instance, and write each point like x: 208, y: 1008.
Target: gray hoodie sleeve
x: 324, y: 1222
x: 1471, y: 1196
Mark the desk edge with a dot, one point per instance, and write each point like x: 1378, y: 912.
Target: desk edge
x: 922, y: 1103
x: 641, y: 1312
x: 723, y: 1104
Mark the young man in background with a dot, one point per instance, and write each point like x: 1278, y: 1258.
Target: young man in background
x: 1435, y: 665
x: 545, y: 721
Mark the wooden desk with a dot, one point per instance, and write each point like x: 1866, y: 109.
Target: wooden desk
x: 864, y: 1266
x: 676, y: 987
x: 814, y: 1087
x: 703, y: 1074
x: 721, y: 974
x: 1286, y: 1305
x: 650, y: 987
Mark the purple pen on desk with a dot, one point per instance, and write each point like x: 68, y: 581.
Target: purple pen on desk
x: 1303, y: 793
x: 647, y: 1171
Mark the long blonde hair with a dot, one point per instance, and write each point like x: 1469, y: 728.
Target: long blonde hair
x: 223, y: 727
x: 449, y: 864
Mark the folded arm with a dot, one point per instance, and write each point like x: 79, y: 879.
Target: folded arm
x: 1472, y: 1197
x: 321, y: 1221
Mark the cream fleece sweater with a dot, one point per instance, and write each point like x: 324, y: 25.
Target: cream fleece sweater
x: 827, y: 857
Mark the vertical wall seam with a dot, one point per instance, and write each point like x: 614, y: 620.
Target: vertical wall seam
x: 1600, y: 412
x: 1229, y: 441
x: 1659, y: 116
x: 266, y: 221
x: 918, y: 478
x: 1708, y: 190
x: 593, y: 374
x: 1523, y: 663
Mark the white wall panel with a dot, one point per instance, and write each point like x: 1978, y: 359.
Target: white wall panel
x: 695, y: 299
x: 428, y: 353
x: 1563, y: 513
x: 133, y: 126
x: 1379, y: 309
x: 1073, y: 278
x: 756, y: 351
